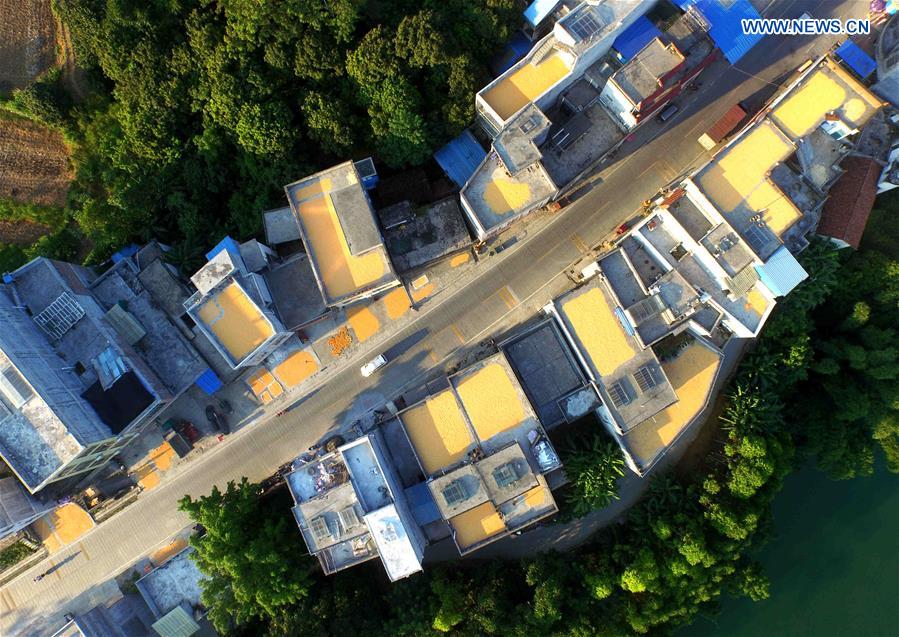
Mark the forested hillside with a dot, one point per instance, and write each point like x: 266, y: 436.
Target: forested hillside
x: 202, y: 110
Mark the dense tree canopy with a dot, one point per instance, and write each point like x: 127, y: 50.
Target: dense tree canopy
x: 203, y: 109
x: 849, y: 405
x: 593, y: 464
x: 252, y: 572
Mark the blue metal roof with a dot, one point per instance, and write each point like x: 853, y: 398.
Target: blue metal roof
x: 424, y: 509
x: 516, y: 49
x: 539, y: 10
x: 726, y: 28
x: 124, y: 253
x: 859, y: 61
x: 461, y: 157
x: 781, y: 273
x: 225, y: 244
x: 209, y: 382
x: 630, y: 41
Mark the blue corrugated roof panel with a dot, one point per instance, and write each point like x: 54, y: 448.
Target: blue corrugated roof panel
x: 424, y: 509
x: 859, y: 61
x: 209, y: 382
x: 630, y: 41
x: 461, y: 157
x: 726, y: 28
x: 225, y: 244
x: 781, y: 273
x: 539, y: 10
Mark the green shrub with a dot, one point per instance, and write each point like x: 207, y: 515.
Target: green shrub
x: 14, y: 554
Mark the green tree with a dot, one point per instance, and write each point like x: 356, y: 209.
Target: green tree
x: 594, y: 466
x: 850, y: 403
x: 249, y: 554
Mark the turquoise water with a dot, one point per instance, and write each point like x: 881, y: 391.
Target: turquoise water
x: 833, y: 564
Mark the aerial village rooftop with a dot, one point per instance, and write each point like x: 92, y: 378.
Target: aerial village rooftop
x: 232, y: 305
x: 569, y: 102
x: 485, y: 453
x: 71, y: 374
x: 646, y: 402
x: 639, y: 342
x: 351, y: 508
x: 640, y: 80
x: 576, y: 41
x: 338, y: 228
x: 808, y: 119
x: 512, y: 181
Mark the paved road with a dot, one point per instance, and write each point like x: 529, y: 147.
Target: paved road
x: 506, y: 288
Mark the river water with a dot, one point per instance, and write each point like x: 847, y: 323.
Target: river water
x: 833, y: 564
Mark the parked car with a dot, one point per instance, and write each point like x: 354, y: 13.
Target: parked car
x: 217, y: 420
x: 668, y: 112
x: 373, y: 365
x: 190, y: 433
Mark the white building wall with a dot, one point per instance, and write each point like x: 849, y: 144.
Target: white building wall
x: 618, y: 106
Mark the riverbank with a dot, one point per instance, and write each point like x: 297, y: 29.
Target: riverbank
x: 833, y: 564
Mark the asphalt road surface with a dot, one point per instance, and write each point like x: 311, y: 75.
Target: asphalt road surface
x: 528, y: 274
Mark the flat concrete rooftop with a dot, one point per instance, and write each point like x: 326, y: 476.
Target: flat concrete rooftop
x: 496, y: 198
x: 640, y: 77
x: 517, y: 143
x: 439, y: 431
x: 526, y: 82
x: 295, y: 292
x: 631, y: 381
x: 547, y: 371
x: 280, y: 226
x: 234, y: 319
x: 738, y: 179
x: 176, y: 581
x: 430, y: 234
x: 340, y: 233
x: 665, y: 235
x: 494, y: 402
x: 603, y: 134
x: 692, y: 374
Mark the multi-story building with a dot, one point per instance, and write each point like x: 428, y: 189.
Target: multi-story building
x: 770, y: 182
x: 578, y: 39
x: 340, y: 233
x: 86, y: 362
x: 615, y: 323
x: 233, y: 305
x: 484, y: 452
x: 351, y: 508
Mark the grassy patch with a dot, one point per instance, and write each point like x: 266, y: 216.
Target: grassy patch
x: 14, y: 554
x: 50, y: 216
